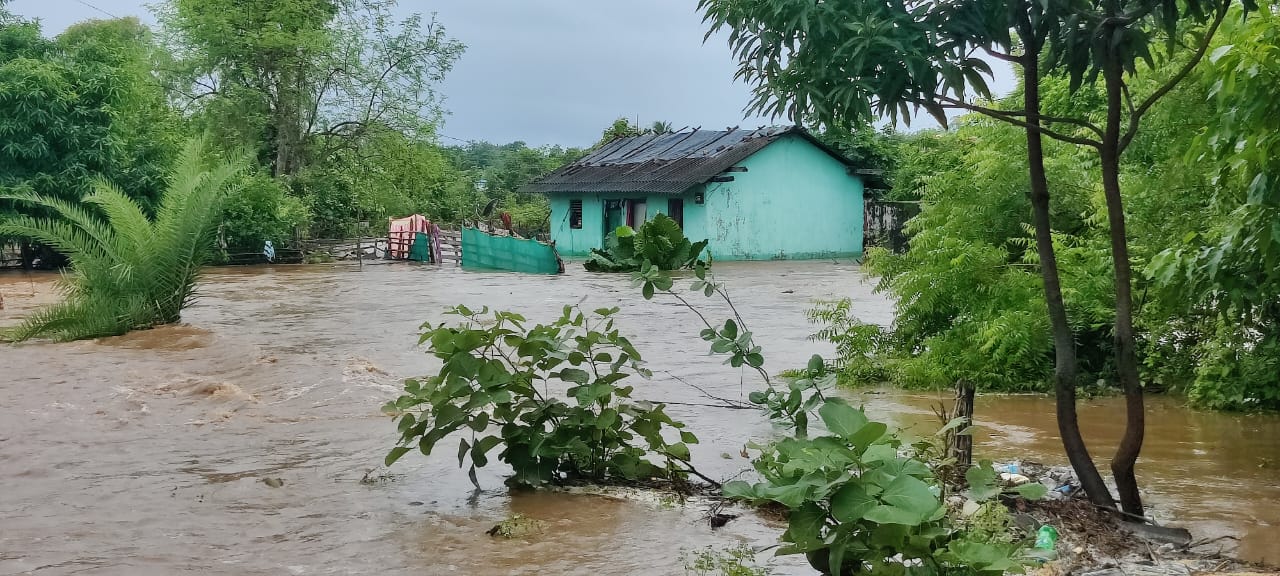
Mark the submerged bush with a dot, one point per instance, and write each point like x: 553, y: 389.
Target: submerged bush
x: 501, y: 378
x: 857, y: 343
x: 128, y: 271
x: 659, y: 242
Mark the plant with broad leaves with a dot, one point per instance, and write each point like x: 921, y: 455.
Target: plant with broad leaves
x: 855, y: 504
x: 501, y: 384
x: 659, y: 243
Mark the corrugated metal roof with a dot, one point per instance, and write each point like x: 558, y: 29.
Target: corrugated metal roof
x: 662, y: 163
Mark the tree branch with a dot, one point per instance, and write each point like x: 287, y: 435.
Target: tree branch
x: 1136, y: 117
x: 315, y: 108
x: 333, y: 130
x: 1003, y: 56
x: 1012, y: 118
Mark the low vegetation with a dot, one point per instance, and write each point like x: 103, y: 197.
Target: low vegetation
x: 550, y: 397
x: 501, y: 385
x: 659, y: 242
x: 129, y: 271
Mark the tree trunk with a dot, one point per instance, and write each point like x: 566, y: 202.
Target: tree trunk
x: 1122, y: 464
x: 961, y: 445
x: 1064, y: 371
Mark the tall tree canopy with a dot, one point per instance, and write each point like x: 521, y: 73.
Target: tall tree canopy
x: 305, y: 77
x: 82, y: 105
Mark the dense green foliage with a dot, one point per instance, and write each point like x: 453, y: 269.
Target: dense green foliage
x: 338, y: 101
x: 969, y: 299
x: 81, y: 106
x: 1227, y: 262
x: 129, y: 271
x: 499, y: 375
x: 659, y: 243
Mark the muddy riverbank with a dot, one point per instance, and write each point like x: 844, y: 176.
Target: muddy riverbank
x: 146, y: 454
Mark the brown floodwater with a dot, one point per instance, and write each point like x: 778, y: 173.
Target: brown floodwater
x: 146, y: 454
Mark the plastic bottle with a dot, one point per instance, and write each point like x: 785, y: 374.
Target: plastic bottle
x: 1046, y: 537
x: 1008, y: 468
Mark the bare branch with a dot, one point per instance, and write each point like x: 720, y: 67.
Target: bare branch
x: 315, y: 108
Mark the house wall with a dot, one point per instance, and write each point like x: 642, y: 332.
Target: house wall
x: 578, y: 242
x: 794, y: 202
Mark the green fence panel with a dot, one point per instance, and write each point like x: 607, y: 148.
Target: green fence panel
x: 485, y: 252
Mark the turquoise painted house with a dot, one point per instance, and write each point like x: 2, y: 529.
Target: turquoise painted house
x: 768, y: 194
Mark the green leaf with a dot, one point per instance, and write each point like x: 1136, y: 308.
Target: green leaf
x: 730, y: 330
x: 804, y: 527
x: 982, y: 482
x: 842, y: 419
x: 463, y: 448
x: 608, y: 417
x: 851, y: 502
x: 739, y: 490
x: 868, y: 434
x: 816, y: 364
x: 575, y: 375
x: 679, y: 451
x: 1032, y: 490
x: 884, y: 514
x: 911, y: 500
x: 790, y: 495
x: 395, y: 454
x: 1219, y: 52
x: 647, y: 291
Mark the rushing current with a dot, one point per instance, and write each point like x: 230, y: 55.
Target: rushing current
x: 150, y: 453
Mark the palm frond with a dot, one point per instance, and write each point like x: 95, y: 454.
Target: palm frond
x: 129, y: 272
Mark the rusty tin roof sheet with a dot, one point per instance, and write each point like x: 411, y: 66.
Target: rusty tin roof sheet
x: 663, y: 163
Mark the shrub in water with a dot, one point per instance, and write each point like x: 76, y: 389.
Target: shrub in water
x: 501, y: 385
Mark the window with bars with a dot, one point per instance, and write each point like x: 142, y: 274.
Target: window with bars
x: 575, y: 214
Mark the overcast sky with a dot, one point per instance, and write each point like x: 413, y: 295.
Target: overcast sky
x: 550, y: 71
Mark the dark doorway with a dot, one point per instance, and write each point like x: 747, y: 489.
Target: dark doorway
x: 675, y: 209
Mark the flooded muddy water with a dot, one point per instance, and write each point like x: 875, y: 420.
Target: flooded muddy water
x: 149, y: 453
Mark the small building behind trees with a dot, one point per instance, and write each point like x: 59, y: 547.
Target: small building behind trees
x: 767, y: 194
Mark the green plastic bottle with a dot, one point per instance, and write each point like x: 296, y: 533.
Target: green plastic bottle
x: 1046, y: 537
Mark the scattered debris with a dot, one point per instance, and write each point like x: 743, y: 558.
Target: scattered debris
x: 517, y: 526
x: 273, y: 482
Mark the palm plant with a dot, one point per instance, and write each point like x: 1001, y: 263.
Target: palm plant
x: 129, y: 271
